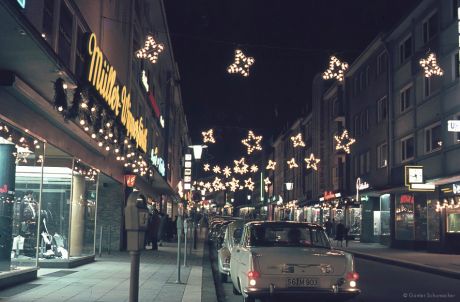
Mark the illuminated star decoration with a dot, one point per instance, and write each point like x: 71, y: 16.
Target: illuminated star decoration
x: 241, y: 64
x: 227, y: 171
x: 271, y: 165
x: 208, y: 136
x: 267, y: 181
x: 216, y: 169
x: 240, y: 166
x: 206, y: 167
x: 234, y: 184
x: 430, y: 66
x: 254, y: 169
x: 207, y: 185
x: 312, y: 162
x: 150, y: 51
x: 297, y: 140
x: 252, y: 142
x: 292, y: 163
x: 336, y: 69
x: 344, y: 141
x: 248, y: 183
x: 217, y: 184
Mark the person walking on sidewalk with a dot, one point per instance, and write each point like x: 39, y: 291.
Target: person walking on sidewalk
x: 152, y: 229
x: 328, y: 227
x: 340, y: 233
x: 162, y: 228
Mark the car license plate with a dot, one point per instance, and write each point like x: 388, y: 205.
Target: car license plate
x: 302, y: 282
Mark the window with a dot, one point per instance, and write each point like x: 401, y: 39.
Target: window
x: 355, y: 86
x: 48, y: 16
x: 382, y: 155
x: 456, y: 68
x: 407, y: 148
x: 430, y: 28
x: 433, y: 138
x: 80, y: 53
x: 365, y: 120
x: 65, y: 34
x: 405, y: 50
x: 365, y: 163
x: 366, y: 82
x: 361, y: 80
x: 382, y: 63
x: 405, y: 98
x: 426, y: 86
x: 368, y: 161
x: 357, y: 125
x: 382, y: 109
x: 356, y: 166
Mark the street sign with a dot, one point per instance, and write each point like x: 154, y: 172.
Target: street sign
x: 453, y: 126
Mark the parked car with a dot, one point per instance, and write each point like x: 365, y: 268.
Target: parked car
x: 290, y: 258
x: 232, y: 236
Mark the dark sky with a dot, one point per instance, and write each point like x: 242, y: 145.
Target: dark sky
x: 290, y: 40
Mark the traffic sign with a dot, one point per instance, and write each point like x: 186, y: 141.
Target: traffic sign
x: 453, y: 126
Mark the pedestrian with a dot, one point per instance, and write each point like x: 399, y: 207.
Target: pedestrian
x: 152, y: 229
x: 328, y: 226
x: 162, y: 229
x: 340, y: 233
x: 347, y: 237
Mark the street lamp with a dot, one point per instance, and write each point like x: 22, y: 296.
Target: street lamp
x: 249, y: 197
x: 289, y: 186
x: 197, y: 150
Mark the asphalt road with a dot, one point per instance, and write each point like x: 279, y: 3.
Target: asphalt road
x: 378, y: 282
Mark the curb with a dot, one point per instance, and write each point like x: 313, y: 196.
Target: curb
x: 407, y: 264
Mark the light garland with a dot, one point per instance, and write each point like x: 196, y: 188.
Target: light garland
x: 227, y: 171
x: 241, y: 64
x: 271, y: 165
x: 150, y: 51
x: 216, y: 169
x: 234, y: 184
x: 430, y: 66
x: 208, y: 136
x: 336, y: 69
x: 254, y: 168
x: 312, y: 162
x: 207, y: 185
x: 292, y: 164
x: 240, y: 166
x: 206, y: 167
x: 248, y: 183
x: 297, y: 141
x: 447, y: 205
x: 267, y: 181
x: 217, y: 184
x: 344, y: 141
x: 252, y: 142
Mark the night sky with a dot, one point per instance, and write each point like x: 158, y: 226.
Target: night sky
x: 290, y: 40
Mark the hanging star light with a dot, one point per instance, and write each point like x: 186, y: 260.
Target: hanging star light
x: 312, y: 162
x: 207, y: 185
x: 430, y: 66
x: 336, y: 69
x: 267, y: 181
x: 241, y: 64
x: 217, y: 184
x: 216, y: 169
x: 240, y: 166
x: 271, y: 165
x: 227, y: 171
x: 254, y: 168
x: 297, y: 140
x: 150, y: 51
x: 292, y: 163
x: 206, y: 167
x: 208, y: 136
x: 252, y: 142
x: 234, y: 184
x: 344, y: 141
x: 248, y: 183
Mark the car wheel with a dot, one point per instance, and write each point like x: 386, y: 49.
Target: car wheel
x: 235, y: 291
x: 223, y: 277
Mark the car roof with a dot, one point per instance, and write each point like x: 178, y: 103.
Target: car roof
x: 285, y: 223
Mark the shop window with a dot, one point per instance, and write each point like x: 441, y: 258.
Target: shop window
x: 433, y: 138
x: 382, y: 155
x: 407, y: 148
x: 433, y: 221
x: 404, y: 217
x: 382, y: 61
x: 405, y: 98
x: 405, y: 50
x: 420, y: 217
x: 48, y: 17
x: 453, y: 220
x: 382, y: 109
x: 430, y: 28
x: 385, y: 214
x: 65, y: 34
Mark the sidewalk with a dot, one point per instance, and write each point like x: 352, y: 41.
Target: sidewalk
x: 107, y: 279
x: 442, y: 264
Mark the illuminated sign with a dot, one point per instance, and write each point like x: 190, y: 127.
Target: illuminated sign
x: 145, y: 81
x: 162, y: 121
x: 187, y: 171
x: 102, y: 76
x: 453, y: 126
x: 22, y: 3
x: 130, y: 180
x: 413, y: 179
x: 456, y: 188
x: 158, y: 162
x: 360, y: 186
x: 405, y: 198
x: 328, y: 195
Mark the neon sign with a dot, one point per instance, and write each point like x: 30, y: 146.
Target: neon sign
x: 158, y: 162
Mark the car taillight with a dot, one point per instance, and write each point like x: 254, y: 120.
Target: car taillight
x: 253, y: 275
x: 352, y: 276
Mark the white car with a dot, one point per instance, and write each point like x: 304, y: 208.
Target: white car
x: 225, y: 252
x: 290, y: 258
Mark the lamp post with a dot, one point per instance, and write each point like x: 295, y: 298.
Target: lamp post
x: 197, y: 150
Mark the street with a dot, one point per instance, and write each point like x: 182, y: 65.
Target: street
x: 379, y: 282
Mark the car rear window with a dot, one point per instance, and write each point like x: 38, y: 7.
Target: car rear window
x: 299, y: 236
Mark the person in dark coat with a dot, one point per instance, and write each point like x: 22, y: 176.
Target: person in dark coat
x: 154, y: 225
x: 162, y: 229
x: 340, y: 233
x: 328, y: 227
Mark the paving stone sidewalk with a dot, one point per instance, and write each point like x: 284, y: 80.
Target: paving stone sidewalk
x: 107, y: 279
x: 443, y: 264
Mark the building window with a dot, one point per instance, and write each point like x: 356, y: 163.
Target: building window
x: 48, y: 16
x: 433, y: 138
x: 355, y: 86
x: 65, y: 34
x: 364, y: 163
x: 382, y: 62
x: 366, y: 82
x: 382, y: 109
x: 456, y: 67
x: 382, y: 155
x: 365, y: 120
x: 426, y: 86
x: 357, y: 125
x: 430, y: 28
x: 405, y: 98
x: 405, y: 50
x: 80, y: 53
x: 361, y: 81
x: 407, y: 148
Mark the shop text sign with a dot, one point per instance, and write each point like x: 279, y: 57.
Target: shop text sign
x: 453, y: 126
x: 102, y: 76
x: 158, y: 162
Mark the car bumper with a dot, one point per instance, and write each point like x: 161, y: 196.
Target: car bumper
x: 340, y: 293
x: 224, y: 270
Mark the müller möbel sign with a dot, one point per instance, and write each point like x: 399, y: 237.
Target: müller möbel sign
x: 102, y: 76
